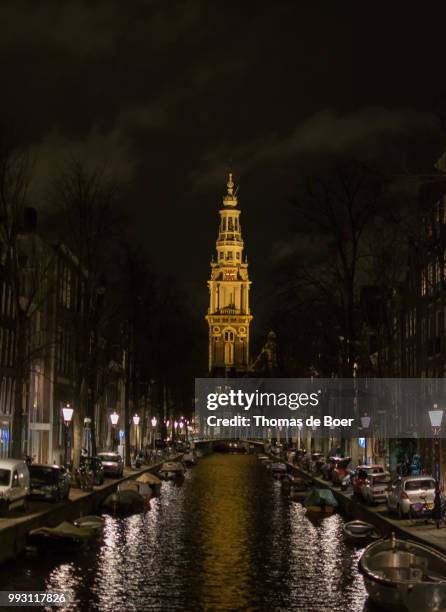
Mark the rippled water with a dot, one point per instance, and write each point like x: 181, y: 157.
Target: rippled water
x: 227, y: 538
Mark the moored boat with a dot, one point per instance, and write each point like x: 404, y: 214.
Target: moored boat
x: 124, y: 502
x: 142, y: 488
x: 263, y: 458
x: 320, y: 501
x: 299, y: 484
x: 278, y: 469
x: 65, y: 535
x: 152, y: 481
x: 360, y: 532
x: 90, y: 521
x: 404, y: 575
x: 171, y: 469
x: 189, y: 458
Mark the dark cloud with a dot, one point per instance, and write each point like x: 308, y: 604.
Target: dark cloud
x: 360, y: 133
x: 173, y: 94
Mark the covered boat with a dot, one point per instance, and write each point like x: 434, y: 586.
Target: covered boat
x: 152, y: 481
x: 360, y: 532
x: 138, y: 487
x: 189, y: 458
x: 404, y: 575
x: 263, y: 457
x: 171, y: 469
x: 299, y: 484
x: 320, y: 500
x: 63, y: 536
x: 278, y: 469
x: 90, y: 521
x: 124, y: 502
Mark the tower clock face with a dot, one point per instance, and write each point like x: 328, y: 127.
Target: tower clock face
x: 230, y: 275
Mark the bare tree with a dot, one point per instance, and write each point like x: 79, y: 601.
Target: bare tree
x: 86, y: 199
x: 339, y: 209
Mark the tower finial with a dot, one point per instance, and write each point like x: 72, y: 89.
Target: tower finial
x: 230, y: 185
x: 230, y: 198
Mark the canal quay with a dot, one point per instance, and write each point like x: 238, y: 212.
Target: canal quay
x: 225, y: 538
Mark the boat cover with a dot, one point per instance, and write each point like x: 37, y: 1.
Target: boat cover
x: 320, y: 497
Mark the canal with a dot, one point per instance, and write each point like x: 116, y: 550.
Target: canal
x: 227, y: 539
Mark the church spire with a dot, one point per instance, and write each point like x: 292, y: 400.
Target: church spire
x: 229, y: 314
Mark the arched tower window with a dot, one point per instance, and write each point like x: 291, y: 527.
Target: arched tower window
x: 229, y: 353
x: 229, y: 336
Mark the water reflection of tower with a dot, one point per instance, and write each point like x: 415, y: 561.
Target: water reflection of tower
x: 229, y: 315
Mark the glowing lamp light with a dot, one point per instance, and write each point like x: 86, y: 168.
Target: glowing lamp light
x: 154, y: 422
x: 175, y: 424
x: 67, y: 414
x: 167, y: 423
x: 436, y: 416
x: 136, y: 420
x: 114, y: 418
x: 365, y: 421
x: 181, y: 424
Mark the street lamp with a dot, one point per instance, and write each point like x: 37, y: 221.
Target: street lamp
x: 136, y: 420
x: 365, y: 424
x: 67, y: 413
x: 114, y: 418
x: 153, y: 422
x: 436, y: 416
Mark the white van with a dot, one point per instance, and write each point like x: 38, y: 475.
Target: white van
x: 14, y: 484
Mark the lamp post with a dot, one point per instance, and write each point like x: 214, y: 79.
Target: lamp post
x: 365, y: 424
x: 153, y: 422
x: 87, y: 436
x: 436, y: 416
x: 67, y: 413
x: 168, y: 433
x: 114, y: 418
x: 136, y: 424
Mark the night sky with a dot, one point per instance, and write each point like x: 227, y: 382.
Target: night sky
x: 172, y: 95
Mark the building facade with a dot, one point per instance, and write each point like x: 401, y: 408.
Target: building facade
x: 229, y: 315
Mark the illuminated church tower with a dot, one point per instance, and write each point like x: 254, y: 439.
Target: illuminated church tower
x: 229, y: 315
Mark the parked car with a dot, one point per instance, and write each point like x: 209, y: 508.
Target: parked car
x: 49, y: 482
x: 411, y: 491
x: 112, y: 463
x: 375, y: 487
x: 362, y: 472
x: 14, y: 485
